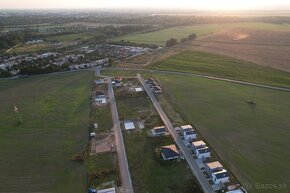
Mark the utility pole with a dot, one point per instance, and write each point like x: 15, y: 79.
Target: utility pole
x: 18, y: 115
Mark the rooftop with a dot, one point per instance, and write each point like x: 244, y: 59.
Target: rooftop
x: 186, y: 127
x: 214, y: 165
x: 221, y: 174
x: 159, y: 129
x: 129, y: 125
x: 198, y: 143
x: 169, y: 151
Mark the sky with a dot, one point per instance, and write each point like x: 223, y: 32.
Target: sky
x: 158, y: 4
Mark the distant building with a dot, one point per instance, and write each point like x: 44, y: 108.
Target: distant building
x: 169, y: 152
x: 159, y: 131
x: 33, y: 42
x: 203, y: 153
x: 220, y: 177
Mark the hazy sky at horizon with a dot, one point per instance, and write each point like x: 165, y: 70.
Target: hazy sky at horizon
x: 160, y: 4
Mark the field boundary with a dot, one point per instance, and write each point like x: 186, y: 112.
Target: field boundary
x: 286, y: 89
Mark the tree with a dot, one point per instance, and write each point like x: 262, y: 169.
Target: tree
x: 192, y: 37
x: 171, y: 42
x: 183, y: 40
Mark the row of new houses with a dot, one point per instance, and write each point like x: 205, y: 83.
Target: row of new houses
x: 199, y: 148
x: 103, y: 62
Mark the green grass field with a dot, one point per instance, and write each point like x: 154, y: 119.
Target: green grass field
x: 73, y: 37
x: 253, y: 141
x: 102, y: 169
x: 222, y: 66
x: 159, y: 37
x: 35, y: 155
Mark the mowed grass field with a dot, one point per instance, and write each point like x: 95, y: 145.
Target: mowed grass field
x: 223, y: 66
x: 35, y: 155
x: 253, y: 141
x: 159, y: 37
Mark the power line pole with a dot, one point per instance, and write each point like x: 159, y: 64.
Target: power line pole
x: 18, y: 115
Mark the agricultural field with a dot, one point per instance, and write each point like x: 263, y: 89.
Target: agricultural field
x: 265, y: 47
x: 252, y: 140
x: 149, y: 173
x: 159, y: 37
x: 36, y: 155
x: 222, y: 66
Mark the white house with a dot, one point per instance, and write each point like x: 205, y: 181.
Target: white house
x: 169, y: 152
x: 220, y: 177
x: 188, y: 132
x: 213, y: 167
x: 202, y: 153
x: 159, y: 131
x: 101, y: 99
x: 198, y: 145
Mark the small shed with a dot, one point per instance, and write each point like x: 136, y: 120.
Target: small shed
x: 138, y: 89
x: 129, y: 125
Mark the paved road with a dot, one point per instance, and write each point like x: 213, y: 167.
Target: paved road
x: 208, y: 77
x: 122, y: 157
x: 191, y: 162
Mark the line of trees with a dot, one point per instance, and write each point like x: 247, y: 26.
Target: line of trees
x: 174, y: 41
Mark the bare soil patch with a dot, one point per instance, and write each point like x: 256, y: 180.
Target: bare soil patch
x: 105, y: 144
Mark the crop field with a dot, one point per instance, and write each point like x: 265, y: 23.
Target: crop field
x: 222, y: 66
x: 36, y: 155
x: 265, y: 47
x: 149, y: 173
x: 252, y: 140
x: 159, y: 37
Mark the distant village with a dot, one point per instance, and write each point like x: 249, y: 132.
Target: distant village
x: 86, y: 57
